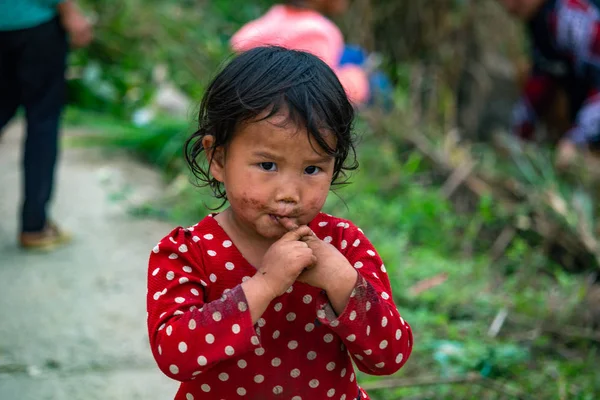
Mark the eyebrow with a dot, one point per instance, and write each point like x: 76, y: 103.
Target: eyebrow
x: 315, y: 160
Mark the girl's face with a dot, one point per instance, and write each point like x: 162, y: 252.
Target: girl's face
x: 270, y: 170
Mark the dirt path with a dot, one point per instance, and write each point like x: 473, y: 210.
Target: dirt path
x: 72, y: 322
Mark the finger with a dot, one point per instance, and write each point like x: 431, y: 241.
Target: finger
x: 297, y: 234
x: 287, y: 223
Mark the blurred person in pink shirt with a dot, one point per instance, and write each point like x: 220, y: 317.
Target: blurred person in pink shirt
x: 303, y: 25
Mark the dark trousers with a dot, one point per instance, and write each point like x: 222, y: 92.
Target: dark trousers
x: 32, y: 75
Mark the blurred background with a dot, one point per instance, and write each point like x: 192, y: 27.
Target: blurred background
x: 493, y: 258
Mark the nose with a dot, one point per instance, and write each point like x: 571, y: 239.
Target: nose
x: 288, y: 190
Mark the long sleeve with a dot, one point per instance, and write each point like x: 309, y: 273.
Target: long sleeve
x: 537, y: 93
x: 371, y: 328
x: 188, y: 335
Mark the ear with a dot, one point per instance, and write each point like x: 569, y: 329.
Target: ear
x: 215, y: 157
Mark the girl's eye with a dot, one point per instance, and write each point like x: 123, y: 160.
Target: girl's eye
x: 312, y: 170
x: 268, y: 166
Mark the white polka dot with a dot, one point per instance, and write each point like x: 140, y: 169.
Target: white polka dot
x: 173, y: 240
x: 195, y: 292
x: 335, y: 323
x: 327, y: 239
x: 309, y: 327
x: 229, y: 266
x: 330, y: 366
x: 187, y: 269
x: 341, y: 224
x: 196, y: 373
x: 174, y: 369
x: 352, y: 377
x: 156, y: 249
x: 370, y: 252
x: 343, y: 372
x: 292, y: 344
x: 328, y: 338
x: 235, y: 328
x: 170, y: 275
x: 217, y: 316
x: 169, y: 330
x: 321, y: 314
x: 307, y: 299
x: 227, y: 243
x: 368, y: 352
x: 276, y: 334
x: 358, y: 357
x: 189, y: 396
x: 278, y: 307
x: 290, y: 290
x: 157, y: 295
x: 344, y: 244
x: 203, y: 283
x: 242, y: 306
x: 261, y: 322
x: 182, y: 347
x: 383, y: 344
x: 213, y: 278
x: 276, y: 362
x: 278, y: 390
x: 295, y: 373
x: 290, y: 317
x: 347, y: 225
x: 399, y: 358
x: 155, y: 271
x: 368, y: 330
x: 183, y: 248
x: 211, y: 253
x: 296, y: 398
x: 223, y: 376
x: 208, y: 236
x: 351, y: 338
x: 380, y: 365
x: 384, y: 322
x: 352, y: 315
x: 192, y: 324
x: 210, y: 339
x: 254, y: 340
x: 159, y: 350
x: 383, y: 269
x: 178, y: 312
x: 183, y: 280
x: 205, y: 388
x: 164, y: 291
x: 385, y: 296
x: 229, y: 350
x: 323, y: 223
x: 179, y: 300
x: 331, y: 392
x: 398, y: 334
x: 196, y: 239
x: 368, y: 305
x: 311, y: 355
x: 173, y: 256
x: 162, y: 314
x: 358, y: 265
x: 242, y: 364
x: 375, y: 275
x: 259, y: 351
x: 313, y: 383
x: 246, y: 278
x: 356, y: 243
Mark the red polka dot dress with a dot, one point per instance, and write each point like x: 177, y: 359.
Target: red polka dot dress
x: 201, y: 332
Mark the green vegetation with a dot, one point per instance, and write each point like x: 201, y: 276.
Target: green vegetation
x: 446, y: 282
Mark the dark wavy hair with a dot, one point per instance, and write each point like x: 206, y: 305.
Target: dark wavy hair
x: 265, y: 81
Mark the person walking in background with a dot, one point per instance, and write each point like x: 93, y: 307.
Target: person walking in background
x: 303, y: 25
x: 34, y: 41
x: 565, y: 41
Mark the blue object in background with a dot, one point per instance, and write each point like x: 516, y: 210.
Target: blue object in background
x: 380, y: 87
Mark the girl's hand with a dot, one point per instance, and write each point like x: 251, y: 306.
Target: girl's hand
x: 76, y: 24
x: 285, y: 260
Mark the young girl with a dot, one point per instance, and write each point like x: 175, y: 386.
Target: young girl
x: 302, y: 25
x: 272, y: 298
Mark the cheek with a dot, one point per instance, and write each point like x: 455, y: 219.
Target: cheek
x: 318, y: 195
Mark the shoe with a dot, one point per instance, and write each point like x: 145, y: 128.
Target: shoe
x: 47, y: 239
